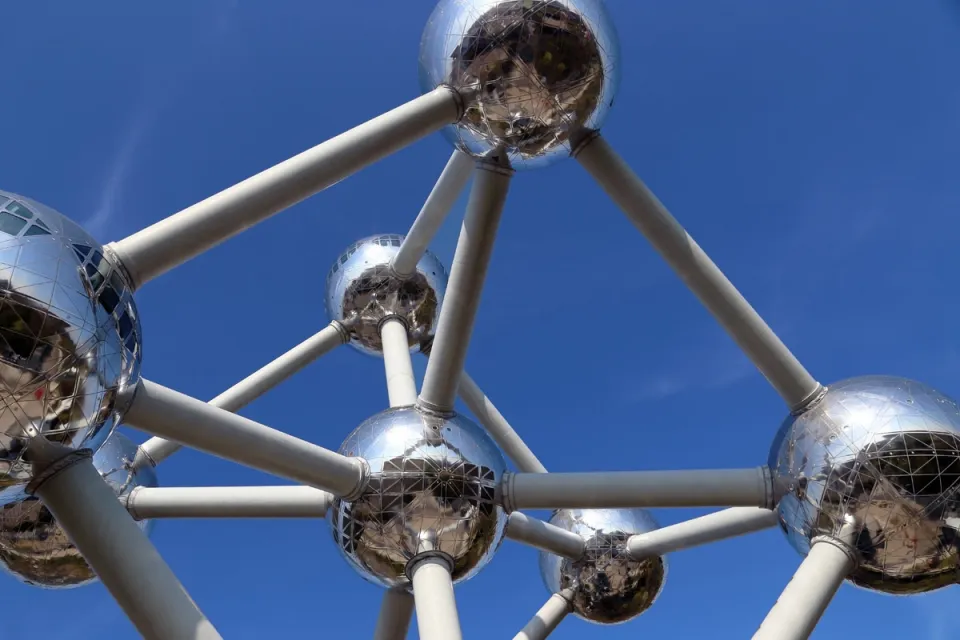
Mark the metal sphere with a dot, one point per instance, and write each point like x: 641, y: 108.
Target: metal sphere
x: 885, y: 451
x: 34, y: 548
x: 69, y: 337
x: 362, y: 290
x: 609, y: 587
x: 432, y: 488
x: 533, y: 72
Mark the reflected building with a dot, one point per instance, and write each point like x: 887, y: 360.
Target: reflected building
x: 69, y: 337
x: 432, y: 489
x: 37, y: 551
x: 886, y: 451
x: 533, y: 72
x: 609, y: 586
x: 362, y: 289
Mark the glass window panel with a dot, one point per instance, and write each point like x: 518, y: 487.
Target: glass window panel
x: 109, y: 299
x: 34, y: 230
x: 125, y: 324
x: 19, y: 209
x: 11, y: 224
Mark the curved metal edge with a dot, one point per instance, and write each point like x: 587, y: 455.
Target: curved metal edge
x: 56, y: 467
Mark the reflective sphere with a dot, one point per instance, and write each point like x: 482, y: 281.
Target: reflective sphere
x: 362, y: 290
x: 433, y: 484
x: 69, y: 337
x: 609, y: 586
x: 35, y: 549
x: 887, y: 452
x: 538, y: 70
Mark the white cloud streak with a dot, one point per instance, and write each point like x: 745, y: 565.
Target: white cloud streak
x: 119, y: 168
x: 212, y: 37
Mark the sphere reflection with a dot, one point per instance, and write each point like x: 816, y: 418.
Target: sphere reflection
x: 69, y: 337
x: 34, y: 548
x: 432, y: 487
x: 886, y: 451
x: 609, y: 586
x: 538, y: 70
x: 362, y: 289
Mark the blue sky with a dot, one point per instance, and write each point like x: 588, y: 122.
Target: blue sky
x: 811, y: 148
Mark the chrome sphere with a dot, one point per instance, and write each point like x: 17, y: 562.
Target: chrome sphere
x: 433, y: 484
x: 34, y: 548
x: 69, y: 337
x: 532, y: 72
x: 362, y: 290
x: 887, y: 452
x: 609, y: 586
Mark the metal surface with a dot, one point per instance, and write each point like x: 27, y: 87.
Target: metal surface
x: 166, y: 413
x: 227, y: 502
x: 398, y: 367
x: 864, y: 477
x: 757, y: 340
x: 113, y: 544
x: 629, y: 489
x: 69, y: 337
x: 713, y: 527
x: 362, y: 290
x: 442, y: 197
x: 887, y: 452
x: 807, y: 596
x: 608, y: 586
x: 548, y: 618
x: 34, y: 547
x: 537, y: 70
x: 437, y: 617
x: 172, y: 241
x: 432, y: 486
x: 497, y: 426
x: 156, y: 450
x: 467, y: 276
x: 396, y: 610
x: 544, y: 536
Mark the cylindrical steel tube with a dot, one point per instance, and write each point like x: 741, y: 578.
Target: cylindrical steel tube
x: 629, y: 489
x: 121, y: 555
x: 166, y: 413
x: 774, y: 360
x: 437, y: 617
x: 401, y: 383
x: 145, y: 503
x: 184, y: 235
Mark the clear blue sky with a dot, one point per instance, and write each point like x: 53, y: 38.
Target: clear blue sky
x: 811, y: 147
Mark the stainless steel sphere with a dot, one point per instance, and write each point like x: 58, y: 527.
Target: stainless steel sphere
x: 887, y: 452
x: 362, y: 289
x: 433, y: 484
x: 609, y: 586
x: 34, y: 548
x: 536, y: 71
x: 69, y: 337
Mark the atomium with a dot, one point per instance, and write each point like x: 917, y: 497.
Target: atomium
x: 419, y: 496
x: 69, y: 337
x: 363, y: 289
x: 36, y: 550
x: 533, y: 72
x: 887, y: 452
x: 609, y: 586
x: 432, y: 488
